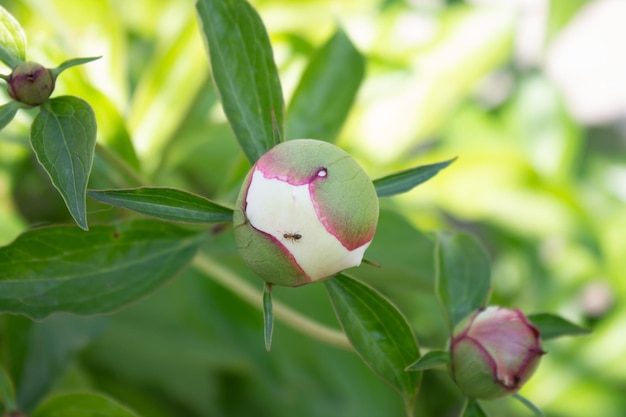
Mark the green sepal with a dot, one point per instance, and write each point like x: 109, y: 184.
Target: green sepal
x: 72, y: 63
x: 430, y: 360
x: 268, y: 316
x: 473, y: 409
x: 406, y: 180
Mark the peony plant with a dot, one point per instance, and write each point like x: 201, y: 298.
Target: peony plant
x: 306, y: 211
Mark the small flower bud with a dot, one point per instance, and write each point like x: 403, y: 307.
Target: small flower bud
x: 494, y: 353
x: 306, y: 211
x: 31, y: 83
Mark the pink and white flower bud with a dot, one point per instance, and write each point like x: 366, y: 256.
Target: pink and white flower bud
x: 31, y: 83
x: 306, y: 211
x: 494, y: 353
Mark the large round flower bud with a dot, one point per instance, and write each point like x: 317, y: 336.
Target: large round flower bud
x: 31, y: 83
x: 305, y: 212
x: 494, y: 353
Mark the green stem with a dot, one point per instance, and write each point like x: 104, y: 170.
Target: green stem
x: 119, y: 164
x: 282, y: 312
x: 532, y: 407
x: 409, y: 407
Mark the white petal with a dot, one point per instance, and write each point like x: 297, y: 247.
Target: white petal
x: 284, y: 210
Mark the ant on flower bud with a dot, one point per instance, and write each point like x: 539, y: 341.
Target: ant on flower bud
x: 294, y: 237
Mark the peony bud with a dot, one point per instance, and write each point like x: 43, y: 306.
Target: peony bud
x: 31, y: 83
x: 305, y: 212
x: 495, y: 353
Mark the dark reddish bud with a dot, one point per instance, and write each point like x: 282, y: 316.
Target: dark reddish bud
x: 31, y: 83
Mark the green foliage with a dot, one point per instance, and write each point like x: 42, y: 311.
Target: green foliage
x: 247, y: 80
x: 48, y: 348
x: 473, y: 409
x: 61, y: 268
x: 7, y: 393
x: 552, y: 326
x: 63, y: 137
x: 430, y: 360
x: 12, y: 40
x: 268, y: 316
x: 537, y: 412
x: 463, y: 275
x: 327, y: 89
x: 378, y: 331
x: 63, y: 134
x: 406, y: 180
x: 8, y: 112
x: 72, y: 63
x: 82, y: 404
x: 549, y: 213
x: 165, y: 204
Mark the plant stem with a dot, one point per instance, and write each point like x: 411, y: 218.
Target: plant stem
x: 119, y: 164
x: 282, y: 312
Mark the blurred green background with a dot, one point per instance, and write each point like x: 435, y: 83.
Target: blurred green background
x: 528, y: 94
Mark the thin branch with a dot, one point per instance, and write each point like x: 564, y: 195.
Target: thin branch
x: 118, y: 163
x: 285, y: 314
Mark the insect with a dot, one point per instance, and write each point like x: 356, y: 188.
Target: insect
x: 294, y: 237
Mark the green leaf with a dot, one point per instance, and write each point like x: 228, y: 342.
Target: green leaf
x: 326, y: 90
x: 72, y: 63
x: 51, y: 346
x: 244, y: 72
x: 532, y: 407
x: 12, y: 40
x: 63, y: 136
x: 552, y: 326
x: 378, y: 331
x: 62, y: 268
x: 406, y: 180
x: 7, y: 393
x: 16, y: 346
x: 268, y: 316
x: 472, y: 409
x: 463, y: 275
x: 82, y: 404
x: 166, y: 204
x: 430, y: 360
x: 8, y: 112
